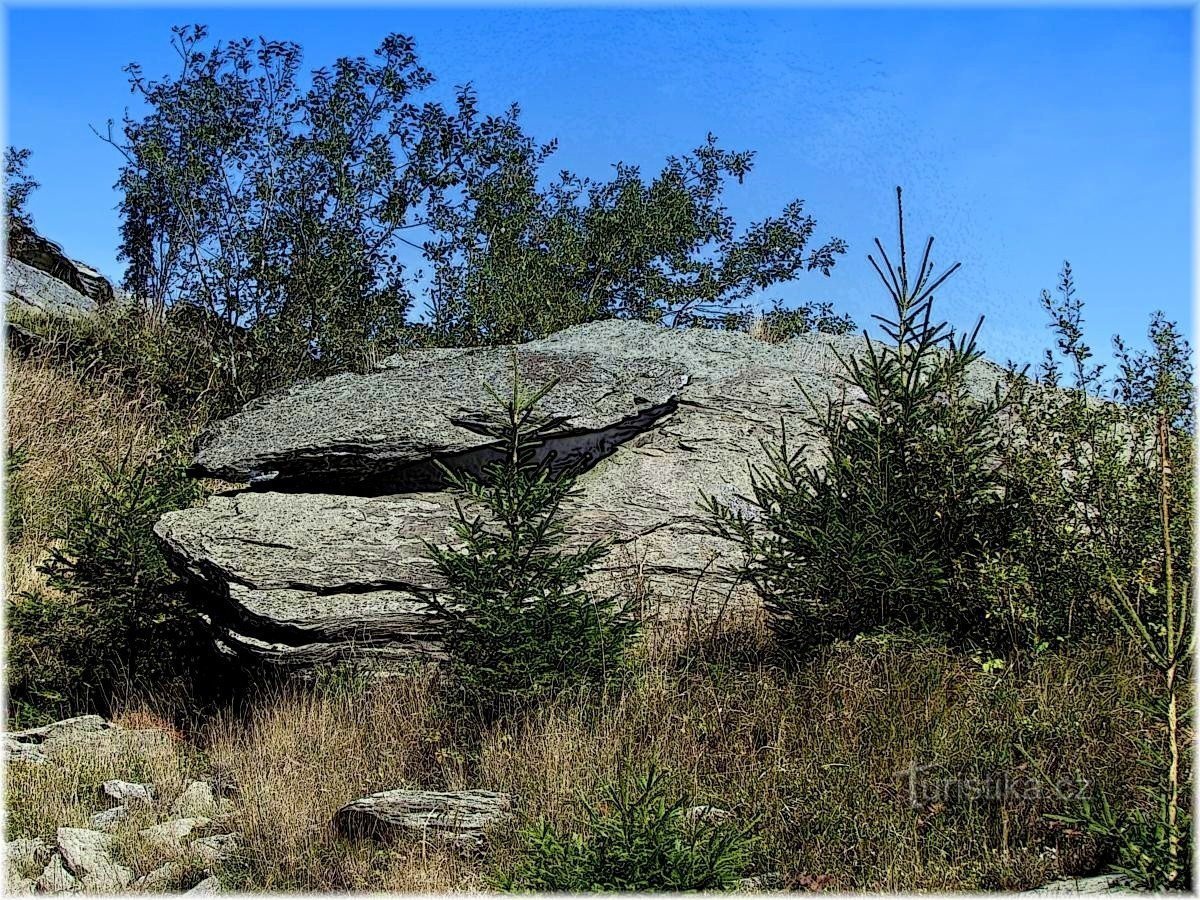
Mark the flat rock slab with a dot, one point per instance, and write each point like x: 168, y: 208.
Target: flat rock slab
x: 128, y: 791
x: 1092, y: 884
x: 461, y: 817
x: 91, y: 733
x: 382, y: 431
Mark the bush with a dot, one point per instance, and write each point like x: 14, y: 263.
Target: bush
x: 779, y: 323
x: 896, y: 523
x: 637, y: 839
x: 1082, y: 475
x: 119, y: 621
x: 515, y: 616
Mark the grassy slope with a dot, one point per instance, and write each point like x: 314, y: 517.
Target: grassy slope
x: 815, y: 754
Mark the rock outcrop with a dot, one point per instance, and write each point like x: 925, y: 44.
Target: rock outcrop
x: 40, y: 277
x: 324, y: 555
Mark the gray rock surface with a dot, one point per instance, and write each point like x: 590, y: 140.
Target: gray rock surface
x: 32, y: 290
x: 215, y: 848
x: 88, y: 855
x: 326, y: 557
x: 40, y: 254
x: 210, y: 885
x: 26, y: 859
x: 55, y: 879
x: 170, y: 835
x: 91, y: 733
x: 1092, y: 884
x: 109, y: 819
x: 458, y: 816
x: 128, y: 791
x: 381, y: 432
x: 197, y: 799
x: 162, y: 878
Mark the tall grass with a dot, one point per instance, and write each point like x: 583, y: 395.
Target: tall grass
x: 821, y: 756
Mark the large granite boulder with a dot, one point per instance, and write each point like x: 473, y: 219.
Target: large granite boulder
x: 324, y: 555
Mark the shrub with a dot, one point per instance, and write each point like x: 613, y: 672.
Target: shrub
x: 779, y: 324
x: 18, y: 185
x: 895, y: 523
x: 637, y: 839
x: 120, y: 604
x: 515, y: 615
x: 1154, y: 848
x: 1082, y: 475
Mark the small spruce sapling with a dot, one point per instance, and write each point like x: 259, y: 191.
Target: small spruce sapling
x: 893, y: 522
x: 516, y: 618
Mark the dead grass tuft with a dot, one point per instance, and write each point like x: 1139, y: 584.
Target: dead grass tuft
x: 65, y: 427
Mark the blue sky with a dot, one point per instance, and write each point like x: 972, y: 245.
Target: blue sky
x: 1022, y: 137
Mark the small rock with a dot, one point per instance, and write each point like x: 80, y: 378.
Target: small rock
x: 215, y: 848
x: 169, y: 835
x: 160, y: 877
x: 88, y: 856
x: 108, y: 820
x: 55, y: 879
x: 128, y: 791
x: 710, y: 815
x: 210, y: 885
x: 27, y: 853
x: 459, y: 816
x: 196, y: 800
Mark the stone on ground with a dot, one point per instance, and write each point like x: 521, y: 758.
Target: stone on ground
x: 88, y: 855
x: 215, y: 848
x: 128, y: 791
x: 210, y: 885
x: 196, y: 800
x: 170, y: 835
x: 55, y: 879
x: 459, y: 816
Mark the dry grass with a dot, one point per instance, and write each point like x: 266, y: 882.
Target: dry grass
x: 815, y: 755
x: 298, y: 754
x: 65, y: 426
x: 818, y: 756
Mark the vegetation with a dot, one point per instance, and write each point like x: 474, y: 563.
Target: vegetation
x: 18, y: 185
x: 971, y: 666
x: 1083, y: 475
x: 298, y: 220
x: 517, y: 619
x: 637, y: 839
x: 820, y: 758
x: 894, y: 523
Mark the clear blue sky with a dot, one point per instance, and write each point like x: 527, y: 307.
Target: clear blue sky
x: 1022, y: 137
